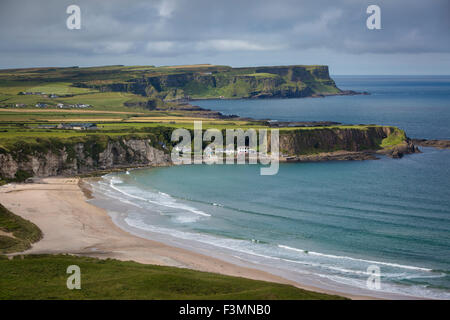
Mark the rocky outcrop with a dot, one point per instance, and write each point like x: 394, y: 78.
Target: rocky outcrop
x: 398, y: 151
x: 332, y: 156
x: 82, y: 158
x: 440, y: 144
x: 321, y: 144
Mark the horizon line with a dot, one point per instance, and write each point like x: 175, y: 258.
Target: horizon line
x: 143, y: 65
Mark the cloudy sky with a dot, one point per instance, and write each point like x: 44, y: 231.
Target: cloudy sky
x: 414, y: 38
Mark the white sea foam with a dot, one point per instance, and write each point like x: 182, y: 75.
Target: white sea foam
x: 237, y: 246
x: 412, y: 291
x: 163, y: 194
x: 163, y: 199
x: 355, y: 259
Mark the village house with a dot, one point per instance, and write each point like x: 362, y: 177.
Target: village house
x: 242, y: 149
x: 185, y: 149
x: 69, y: 106
x: 78, y: 126
x: 31, y: 93
x: 208, y: 151
x: 82, y: 105
x: 229, y: 150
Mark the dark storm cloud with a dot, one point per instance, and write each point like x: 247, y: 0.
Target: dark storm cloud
x: 35, y: 31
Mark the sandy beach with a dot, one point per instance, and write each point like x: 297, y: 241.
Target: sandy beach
x: 71, y: 225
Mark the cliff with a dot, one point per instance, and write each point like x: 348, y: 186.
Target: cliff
x: 86, y: 156
x: 100, y: 152
x: 226, y: 82
x: 345, y: 143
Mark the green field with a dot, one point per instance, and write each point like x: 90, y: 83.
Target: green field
x: 44, y: 277
x: 105, y: 100
x: 59, y: 88
x: 113, y: 101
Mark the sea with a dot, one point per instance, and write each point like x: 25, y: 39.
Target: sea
x: 378, y: 228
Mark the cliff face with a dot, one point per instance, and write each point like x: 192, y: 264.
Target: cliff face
x: 103, y: 153
x: 362, y: 143
x: 254, y: 82
x: 83, y: 158
x: 300, y: 142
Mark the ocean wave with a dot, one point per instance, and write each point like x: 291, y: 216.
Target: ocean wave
x: 303, y: 219
x: 414, y: 291
x: 395, y: 265
x: 335, y: 268
x: 163, y: 199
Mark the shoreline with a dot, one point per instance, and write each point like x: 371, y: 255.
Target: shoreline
x: 302, y: 278
x: 433, y: 143
x: 71, y: 225
x: 315, y: 95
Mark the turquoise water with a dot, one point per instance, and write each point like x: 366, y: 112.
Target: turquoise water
x: 325, y: 220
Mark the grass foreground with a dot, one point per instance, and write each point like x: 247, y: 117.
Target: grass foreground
x: 17, y: 234
x: 44, y: 277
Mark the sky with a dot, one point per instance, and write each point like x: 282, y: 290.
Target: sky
x: 414, y: 37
